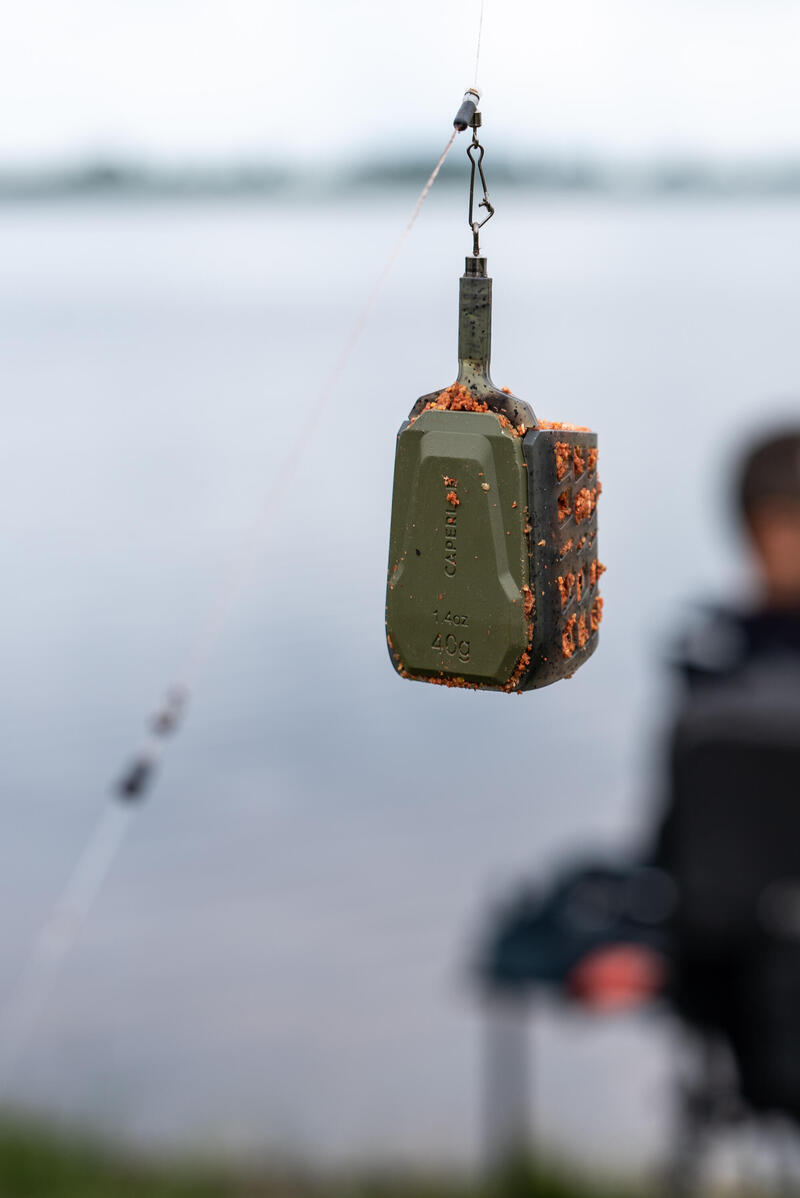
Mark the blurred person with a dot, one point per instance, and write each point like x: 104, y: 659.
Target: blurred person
x: 729, y: 830
x: 708, y: 917
x: 729, y: 834
x: 744, y: 659
x: 768, y: 503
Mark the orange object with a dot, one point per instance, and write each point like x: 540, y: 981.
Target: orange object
x: 618, y: 976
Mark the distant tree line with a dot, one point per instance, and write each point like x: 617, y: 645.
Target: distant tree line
x: 536, y: 173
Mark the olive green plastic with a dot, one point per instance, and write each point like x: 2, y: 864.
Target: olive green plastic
x: 493, y: 550
x: 458, y: 555
x: 475, y: 349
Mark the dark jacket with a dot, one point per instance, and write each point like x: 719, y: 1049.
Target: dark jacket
x: 729, y: 836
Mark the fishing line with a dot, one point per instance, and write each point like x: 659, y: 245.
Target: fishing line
x: 240, y: 571
x: 58, y: 935
x: 478, y: 47
x: 166, y: 720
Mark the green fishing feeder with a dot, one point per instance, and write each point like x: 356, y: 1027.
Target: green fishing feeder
x: 493, y: 570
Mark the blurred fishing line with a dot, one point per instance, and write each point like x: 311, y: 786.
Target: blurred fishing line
x: 28, y: 997
x: 244, y: 561
x: 60, y: 931
x: 478, y: 46
x: 56, y: 938
x: 238, y: 575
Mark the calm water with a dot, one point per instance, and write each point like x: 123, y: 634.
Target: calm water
x: 279, y: 957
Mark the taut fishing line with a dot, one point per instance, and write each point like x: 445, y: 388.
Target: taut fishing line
x: 166, y: 720
x: 56, y: 938
x: 59, y: 933
x: 478, y: 47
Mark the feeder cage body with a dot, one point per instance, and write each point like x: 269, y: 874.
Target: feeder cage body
x: 492, y: 579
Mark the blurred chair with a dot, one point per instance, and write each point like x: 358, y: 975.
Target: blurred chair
x: 734, y: 847
x: 716, y: 940
x: 550, y: 937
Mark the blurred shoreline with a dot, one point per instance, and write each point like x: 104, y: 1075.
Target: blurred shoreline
x: 44, y: 1159
x: 280, y: 958
x: 546, y: 174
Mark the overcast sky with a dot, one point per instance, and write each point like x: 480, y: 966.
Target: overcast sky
x: 201, y: 78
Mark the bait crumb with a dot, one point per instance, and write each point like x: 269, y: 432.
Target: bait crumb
x: 583, y: 632
x: 563, y: 454
x: 506, y: 423
x: 444, y: 680
x: 585, y: 503
x: 401, y: 669
x: 458, y: 398
x: 448, y: 481
x: 453, y: 499
x: 595, y: 571
x: 441, y: 680
x: 578, y: 461
x: 564, y: 506
x: 565, y: 548
x: 529, y: 603
x: 486, y: 487
x: 565, y: 586
x: 506, y: 390
x: 514, y: 504
x: 523, y: 663
x: 568, y: 637
x: 541, y: 544
x: 521, y: 667
x: 580, y: 582
x: 592, y: 460
x: 596, y: 614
